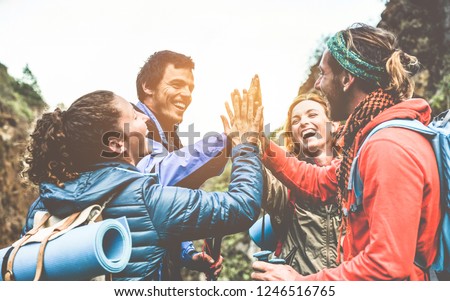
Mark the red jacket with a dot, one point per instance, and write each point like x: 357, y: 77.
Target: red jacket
x: 400, y: 210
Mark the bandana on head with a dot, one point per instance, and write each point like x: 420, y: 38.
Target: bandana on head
x: 352, y: 62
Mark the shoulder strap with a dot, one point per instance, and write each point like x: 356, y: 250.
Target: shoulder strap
x: 89, y: 214
x: 355, y: 182
x: 8, y: 274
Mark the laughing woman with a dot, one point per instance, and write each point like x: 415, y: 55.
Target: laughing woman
x: 307, y: 231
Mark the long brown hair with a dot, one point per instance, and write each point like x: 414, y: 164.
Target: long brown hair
x: 67, y: 142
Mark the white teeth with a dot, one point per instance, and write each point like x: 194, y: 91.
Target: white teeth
x: 308, y: 133
x: 180, y: 105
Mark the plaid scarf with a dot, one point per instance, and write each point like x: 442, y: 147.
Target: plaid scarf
x: 375, y: 103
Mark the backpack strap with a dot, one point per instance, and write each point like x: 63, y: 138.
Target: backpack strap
x: 355, y: 182
x: 92, y: 213
x: 8, y: 275
x: 40, y: 261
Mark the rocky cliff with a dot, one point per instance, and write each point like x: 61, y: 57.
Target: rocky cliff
x: 20, y: 103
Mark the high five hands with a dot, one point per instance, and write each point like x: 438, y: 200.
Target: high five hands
x: 245, y: 123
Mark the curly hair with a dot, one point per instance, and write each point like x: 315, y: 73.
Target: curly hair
x: 65, y: 143
x: 379, y: 47
x: 153, y: 70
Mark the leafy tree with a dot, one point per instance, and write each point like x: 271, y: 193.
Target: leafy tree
x: 29, y: 79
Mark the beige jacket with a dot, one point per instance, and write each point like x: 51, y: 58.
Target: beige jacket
x: 311, y: 229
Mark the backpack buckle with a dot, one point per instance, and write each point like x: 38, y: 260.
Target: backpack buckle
x: 354, y: 208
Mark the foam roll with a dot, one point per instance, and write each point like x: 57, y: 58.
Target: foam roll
x: 80, y: 254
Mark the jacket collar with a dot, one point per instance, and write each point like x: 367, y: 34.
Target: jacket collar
x: 415, y: 108
x: 156, y: 131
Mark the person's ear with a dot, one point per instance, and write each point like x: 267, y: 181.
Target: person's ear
x: 116, y: 145
x: 347, y: 80
x: 147, y: 90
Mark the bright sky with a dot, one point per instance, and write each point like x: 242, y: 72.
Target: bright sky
x: 75, y: 47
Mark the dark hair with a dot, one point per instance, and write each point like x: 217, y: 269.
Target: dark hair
x: 66, y: 142
x: 379, y: 47
x: 153, y: 70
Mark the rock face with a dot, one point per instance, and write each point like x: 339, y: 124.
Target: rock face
x: 19, y: 105
x: 423, y: 30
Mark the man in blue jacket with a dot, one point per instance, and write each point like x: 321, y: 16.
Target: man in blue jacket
x: 164, y: 87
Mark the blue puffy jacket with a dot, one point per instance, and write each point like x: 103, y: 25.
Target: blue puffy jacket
x: 158, y: 216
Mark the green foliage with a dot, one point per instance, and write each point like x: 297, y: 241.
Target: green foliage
x: 237, y: 264
x: 441, y: 99
x: 29, y: 79
x: 422, y: 28
x: 20, y: 98
x: 19, y: 105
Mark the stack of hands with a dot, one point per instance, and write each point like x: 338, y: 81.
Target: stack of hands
x: 245, y: 125
x: 246, y: 119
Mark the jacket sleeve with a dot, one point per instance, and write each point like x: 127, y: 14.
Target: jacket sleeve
x: 187, y: 250
x: 181, y: 167
x: 183, y: 214
x: 393, y: 192
x: 302, y: 178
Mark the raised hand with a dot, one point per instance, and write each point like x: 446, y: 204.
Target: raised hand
x: 244, y: 125
x: 254, y: 92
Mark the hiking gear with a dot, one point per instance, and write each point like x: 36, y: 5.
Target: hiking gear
x: 265, y: 239
x: 74, y: 248
x: 161, y: 217
x: 438, y: 132
x: 378, y: 245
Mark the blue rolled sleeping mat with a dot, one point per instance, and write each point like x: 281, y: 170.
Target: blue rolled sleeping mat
x: 82, y: 253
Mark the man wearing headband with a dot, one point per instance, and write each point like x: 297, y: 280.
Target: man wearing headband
x: 392, y: 234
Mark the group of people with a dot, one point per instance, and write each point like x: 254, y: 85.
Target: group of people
x: 365, y: 79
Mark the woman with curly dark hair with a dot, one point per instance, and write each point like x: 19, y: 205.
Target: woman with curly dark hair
x: 88, y: 153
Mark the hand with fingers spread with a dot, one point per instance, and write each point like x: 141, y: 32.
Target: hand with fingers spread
x: 245, y: 124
